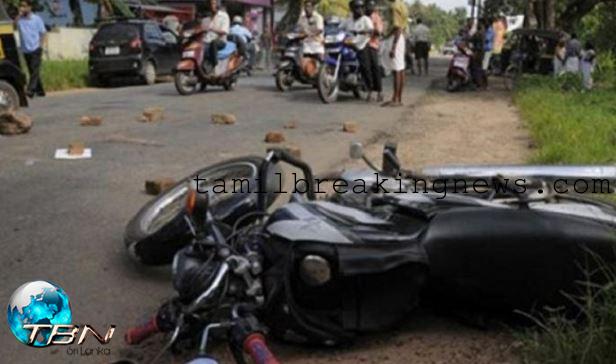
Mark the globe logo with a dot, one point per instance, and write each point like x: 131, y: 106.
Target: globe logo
x: 37, y: 302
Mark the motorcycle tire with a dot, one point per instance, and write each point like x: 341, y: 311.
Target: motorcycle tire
x: 154, y: 245
x: 454, y: 84
x: 180, y: 80
x: 327, y: 92
x: 229, y: 85
x: 282, y: 76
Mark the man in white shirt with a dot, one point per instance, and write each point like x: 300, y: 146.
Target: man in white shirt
x: 311, y: 24
x: 216, y: 33
x: 421, y: 37
x: 361, y: 28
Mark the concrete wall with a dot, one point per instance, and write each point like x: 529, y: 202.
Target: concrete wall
x: 68, y: 43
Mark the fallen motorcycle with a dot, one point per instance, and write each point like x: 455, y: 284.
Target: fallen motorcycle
x: 324, y: 271
x: 193, y: 74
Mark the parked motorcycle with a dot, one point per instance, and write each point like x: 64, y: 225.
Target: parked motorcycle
x: 459, y: 73
x: 340, y: 71
x: 320, y: 271
x: 192, y: 74
x: 294, y: 66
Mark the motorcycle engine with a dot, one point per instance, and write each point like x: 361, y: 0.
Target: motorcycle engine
x: 351, y: 79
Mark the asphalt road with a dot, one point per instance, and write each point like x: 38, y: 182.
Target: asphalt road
x: 63, y: 221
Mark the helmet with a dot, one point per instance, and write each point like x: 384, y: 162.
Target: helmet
x: 238, y: 19
x: 357, y: 3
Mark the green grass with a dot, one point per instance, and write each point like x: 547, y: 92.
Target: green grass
x: 65, y: 74
x: 568, y: 126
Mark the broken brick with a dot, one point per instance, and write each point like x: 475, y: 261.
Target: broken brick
x: 76, y: 148
x: 350, y: 127
x: 12, y: 123
x: 274, y: 137
x: 90, y: 120
x: 158, y: 186
x: 224, y: 119
x: 152, y: 114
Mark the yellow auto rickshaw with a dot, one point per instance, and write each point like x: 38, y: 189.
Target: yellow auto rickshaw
x: 12, y: 78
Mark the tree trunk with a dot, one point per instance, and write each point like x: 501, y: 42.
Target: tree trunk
x: 288, y: 21
x: 550, y: 14
x: 75, y: 6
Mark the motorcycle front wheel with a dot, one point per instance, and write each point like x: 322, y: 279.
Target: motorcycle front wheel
x: 185, y: 84
x: 327, y: 84
x: 283, y: 80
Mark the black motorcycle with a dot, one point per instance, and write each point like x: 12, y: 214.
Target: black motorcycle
x: 293, y: 64
x: 323, y: 271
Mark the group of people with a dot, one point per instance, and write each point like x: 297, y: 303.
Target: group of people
x: 484, y: 42
x: 369, y: 39
x: 571, y: 57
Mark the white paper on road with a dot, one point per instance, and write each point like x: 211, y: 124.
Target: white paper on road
x: 63, y: 154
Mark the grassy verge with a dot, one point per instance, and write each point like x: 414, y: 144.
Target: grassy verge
x: 568, y: 127
x: 573, y: 127
x: 64, y: 74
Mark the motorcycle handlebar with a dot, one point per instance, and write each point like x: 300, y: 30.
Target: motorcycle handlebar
x: 137, y: 334
x: 282, y: 155
x: 257, y: 349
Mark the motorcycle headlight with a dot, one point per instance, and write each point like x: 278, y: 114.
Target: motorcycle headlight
x: 315, y: 270
x: 331, y: 39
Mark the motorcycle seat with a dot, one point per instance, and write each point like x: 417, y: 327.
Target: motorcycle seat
x: 227, y: 51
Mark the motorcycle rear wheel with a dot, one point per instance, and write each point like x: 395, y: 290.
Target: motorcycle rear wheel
x: 326, y: 85
x: 282, y: 80
x: 454, y: 84
x: 182, y: 84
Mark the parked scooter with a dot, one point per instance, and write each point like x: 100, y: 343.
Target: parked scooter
x: 294, y: 66
x: 340, y: 71
x: 459, y: 73
x: 191, y: 74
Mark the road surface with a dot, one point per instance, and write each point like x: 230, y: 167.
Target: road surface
x: 63, y: 221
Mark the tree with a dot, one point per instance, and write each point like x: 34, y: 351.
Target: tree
x: 546, y: 14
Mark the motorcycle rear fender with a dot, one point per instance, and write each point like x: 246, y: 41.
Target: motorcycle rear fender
x: 187, y: 64
x: 459, y: 72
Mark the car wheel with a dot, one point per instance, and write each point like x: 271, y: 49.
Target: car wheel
x: 9, y: 98
x: 149, y: 73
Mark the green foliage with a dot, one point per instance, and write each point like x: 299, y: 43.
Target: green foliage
x: 444, y: 25
x: 599, y: 26
x: 64, y: 74
x: 568, y: 126
x: 589, y: 339
x: 334, y: 7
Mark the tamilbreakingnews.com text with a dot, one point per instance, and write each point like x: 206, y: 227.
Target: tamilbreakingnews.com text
x: 399, y: 185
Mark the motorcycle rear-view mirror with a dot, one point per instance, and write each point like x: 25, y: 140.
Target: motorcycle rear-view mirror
x: 196, y: 204
x: 356, y: 150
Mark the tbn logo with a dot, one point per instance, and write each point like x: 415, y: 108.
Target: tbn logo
x: 66, y: 334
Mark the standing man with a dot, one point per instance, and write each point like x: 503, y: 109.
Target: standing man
x: 32, y: 34
x: 374, y: 50
x: 421, y: 39
x: 216, y: 36
x: 397, y: 44
x: 361, y: 28
x: 312, y: 26
x: 488, y: 45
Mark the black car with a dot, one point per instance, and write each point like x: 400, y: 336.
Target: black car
x: 141, y: 48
